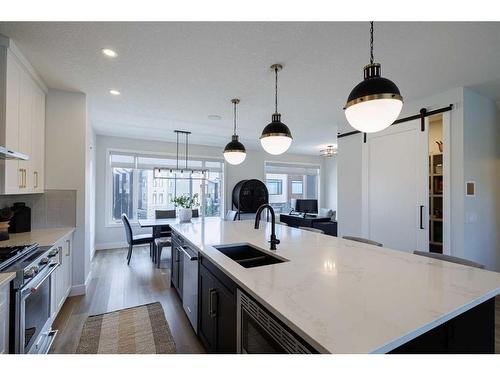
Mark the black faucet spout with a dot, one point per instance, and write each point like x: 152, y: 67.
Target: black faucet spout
x: 274, y: 241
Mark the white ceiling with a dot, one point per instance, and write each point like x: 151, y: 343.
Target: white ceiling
x: 174, y: 75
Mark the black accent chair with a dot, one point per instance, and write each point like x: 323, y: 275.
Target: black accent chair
x: 140, y: 239
x: 162, y: 235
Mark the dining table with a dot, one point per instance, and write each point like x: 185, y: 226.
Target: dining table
x: 160, y: 226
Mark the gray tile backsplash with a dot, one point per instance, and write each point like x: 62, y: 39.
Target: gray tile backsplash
x: 52, y: 209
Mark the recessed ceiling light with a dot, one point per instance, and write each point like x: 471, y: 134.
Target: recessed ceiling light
x: 109, y: 52
x: 214, y: 117
x: 114, y: 92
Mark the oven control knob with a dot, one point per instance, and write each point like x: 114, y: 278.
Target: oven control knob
x: 53, y: 253
x: 29, y: 273
x: 44, y: 260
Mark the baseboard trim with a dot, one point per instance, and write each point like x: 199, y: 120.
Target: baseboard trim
x: 80, y: 289
x: 110, y: 245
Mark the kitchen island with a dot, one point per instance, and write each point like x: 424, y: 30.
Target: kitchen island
x: 341, y: 296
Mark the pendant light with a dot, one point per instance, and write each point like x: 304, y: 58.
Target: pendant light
x: 276, y: 138
x: 235, y: 152
x: 375, y: 103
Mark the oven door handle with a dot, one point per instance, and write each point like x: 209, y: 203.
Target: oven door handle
x: 34, y: 289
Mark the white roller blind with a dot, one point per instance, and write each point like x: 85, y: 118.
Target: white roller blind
x: 283, y: 168
x: 119, y: 159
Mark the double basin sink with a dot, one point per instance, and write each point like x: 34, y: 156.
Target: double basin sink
x: 248, y: 256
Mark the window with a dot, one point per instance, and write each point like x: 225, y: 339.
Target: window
x: 287, y: 182
x: 136, y: 193
x: 274, y: 187
x: 297, y: 187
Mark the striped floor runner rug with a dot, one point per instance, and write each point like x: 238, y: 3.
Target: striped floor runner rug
x: 135, y: 330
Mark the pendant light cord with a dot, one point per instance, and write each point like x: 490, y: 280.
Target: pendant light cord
x: 234, y: 130
x: 276, y: 90
x: 371, y: 42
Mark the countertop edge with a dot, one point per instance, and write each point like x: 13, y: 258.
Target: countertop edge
x: 6, y: 277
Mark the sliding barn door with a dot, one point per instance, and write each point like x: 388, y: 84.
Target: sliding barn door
x: 396, y: 191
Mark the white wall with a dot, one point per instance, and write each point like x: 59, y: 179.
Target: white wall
x: 66, y: 134
x: 330, y: 182
x: 90, y: 188
x: 252, y: 167
x: 349, y: 186
x: 482, y: 165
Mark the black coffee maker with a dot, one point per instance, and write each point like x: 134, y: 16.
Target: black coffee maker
x: 21, y: 221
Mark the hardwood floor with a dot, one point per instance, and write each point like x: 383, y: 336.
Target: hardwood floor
x: 114, y: 286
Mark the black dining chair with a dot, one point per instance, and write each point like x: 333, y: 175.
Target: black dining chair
x: 162, y: 234
x: 140, y: 239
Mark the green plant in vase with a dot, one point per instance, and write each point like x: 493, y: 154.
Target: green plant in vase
x: 185, y: 205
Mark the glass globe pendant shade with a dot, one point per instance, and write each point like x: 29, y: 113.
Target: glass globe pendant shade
x: 234, y: 152
x: 276, y: 137
x: 235, y: 158
x: 375, y: 103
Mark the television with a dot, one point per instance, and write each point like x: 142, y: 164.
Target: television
x: 307, y: 206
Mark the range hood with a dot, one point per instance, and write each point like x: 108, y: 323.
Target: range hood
x: 9, y: 154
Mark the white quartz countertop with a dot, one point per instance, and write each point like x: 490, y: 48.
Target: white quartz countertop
x: 343, y: 296
x: 6, y: 277
x: 43, y: 237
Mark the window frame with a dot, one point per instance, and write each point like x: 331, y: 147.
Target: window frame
x: 108, y: 211
x: 279, y: 184
x: 317, y: 166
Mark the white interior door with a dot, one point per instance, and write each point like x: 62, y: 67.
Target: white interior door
x: 396, y: 192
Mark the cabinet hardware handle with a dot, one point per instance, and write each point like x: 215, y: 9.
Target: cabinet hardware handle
x: 35, y: 174
x: 211, y: 311
x: 21, y: 175
x: 421, y: 217
x: 25, y: 179
x: 69, y: 247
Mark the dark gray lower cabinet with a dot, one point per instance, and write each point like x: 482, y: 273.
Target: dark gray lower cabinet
x: 216, y: 309
x: 177, y: 263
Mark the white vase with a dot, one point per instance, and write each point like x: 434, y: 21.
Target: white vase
x: 184, y: 214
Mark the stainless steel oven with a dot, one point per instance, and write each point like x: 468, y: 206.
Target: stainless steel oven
x: 259, y: 332
x: 34, y: 333
x: 30, y: 295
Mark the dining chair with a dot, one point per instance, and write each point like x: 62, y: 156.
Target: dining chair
x: 449, y: 258
x: 139, y: 239
x: 162, y: 235
x: 315, y: 230
x: 362, y: 240
x: 231, y: 215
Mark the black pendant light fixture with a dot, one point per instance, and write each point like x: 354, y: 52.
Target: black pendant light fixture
x: 375, y: 103
x: 235, y: 152
x: 276, y: 138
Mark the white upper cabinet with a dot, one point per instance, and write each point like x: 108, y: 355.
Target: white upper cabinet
x: 22, y: 122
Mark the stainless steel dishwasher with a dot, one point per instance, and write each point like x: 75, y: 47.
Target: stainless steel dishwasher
x: 190, y: 284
